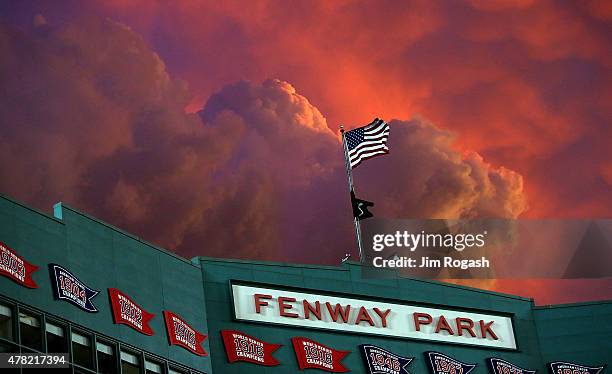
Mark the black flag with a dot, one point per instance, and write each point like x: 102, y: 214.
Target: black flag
x: 360, y: 207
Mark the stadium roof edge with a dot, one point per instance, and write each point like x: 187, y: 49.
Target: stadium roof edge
x: 574, y: 305
x: 16, y: 202
x: 345, y: 267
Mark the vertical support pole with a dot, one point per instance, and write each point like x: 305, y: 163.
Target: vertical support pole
x: 349, y: 175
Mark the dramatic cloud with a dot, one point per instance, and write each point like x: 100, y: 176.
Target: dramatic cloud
x: 95, y: 120
x: 524, y: 83
x: 93, y: 116
x: 425, y: 177
x: 287, y: 175
x: 90, y: 117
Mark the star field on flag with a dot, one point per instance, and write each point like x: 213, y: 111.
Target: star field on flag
x: 367, y: 142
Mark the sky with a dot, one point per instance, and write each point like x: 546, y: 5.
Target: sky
x: 211, y: 128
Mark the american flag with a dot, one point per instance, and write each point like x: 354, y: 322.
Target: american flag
x: 367, y: 141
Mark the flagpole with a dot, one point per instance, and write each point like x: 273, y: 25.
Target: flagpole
x: 349, y: 175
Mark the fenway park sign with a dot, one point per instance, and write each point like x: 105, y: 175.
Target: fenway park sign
x: 351, y: 315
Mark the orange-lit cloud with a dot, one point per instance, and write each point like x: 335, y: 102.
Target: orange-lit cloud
x: 521, y: 81
x: 522, y: 84
x: 256, y: 171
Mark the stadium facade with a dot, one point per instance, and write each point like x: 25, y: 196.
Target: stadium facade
x: 71, y: 283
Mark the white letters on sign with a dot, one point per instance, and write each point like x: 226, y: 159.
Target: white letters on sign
x: 301, y: 309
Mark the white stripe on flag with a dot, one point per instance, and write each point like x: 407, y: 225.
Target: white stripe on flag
x: 362, y: 146
x: 375, y: 130
x: 367, y: 156
x: 368, y: 152
x: 384, y: 135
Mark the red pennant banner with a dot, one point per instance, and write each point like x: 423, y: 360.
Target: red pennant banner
x: 15, y: 267
x: 127, y: 312
x: 182, y: 334
x: 311, y: 354
x: 242, y: 347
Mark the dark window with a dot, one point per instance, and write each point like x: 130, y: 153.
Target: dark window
x: 44, y: 371
x: 153, y: 366
x: 107, y: 358
x: 6, y: 322
x: 6, y: 347
x: 29, y: 328
x: 56, y: 338
x: 130, y: 363
x: 172, y: 370
x: 82, y: 353
x: 78, y: 370
x: 10, y: 371
x: 6, y: 332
